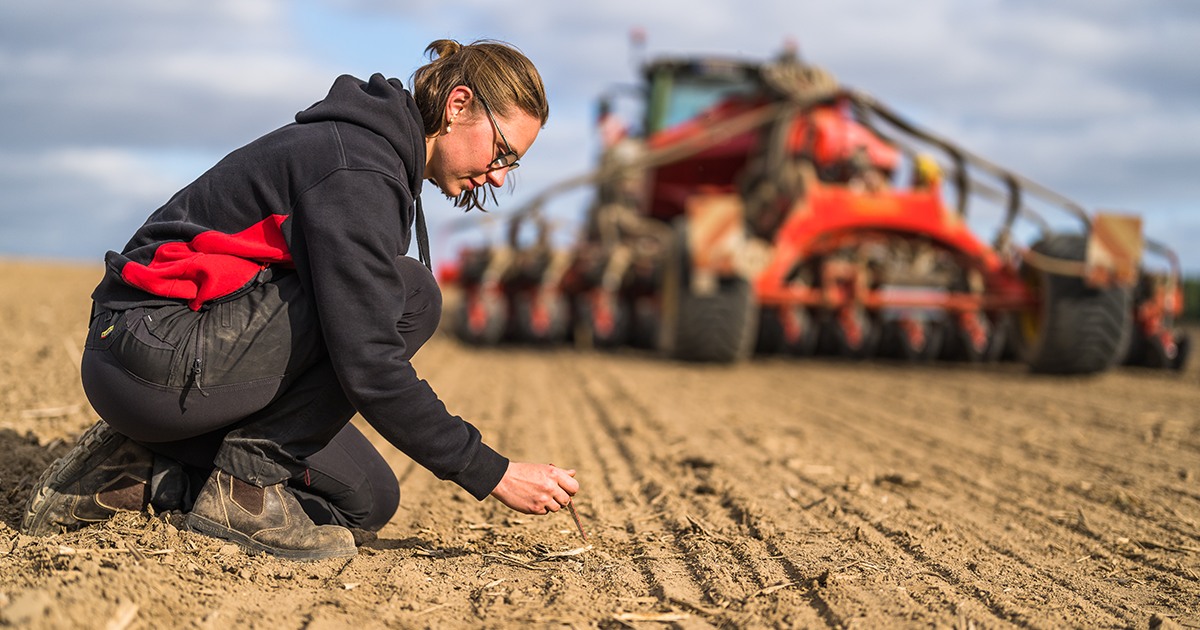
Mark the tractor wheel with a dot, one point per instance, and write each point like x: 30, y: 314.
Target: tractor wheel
x: 719, y: 327
x: 603, y: 318
x: 540, y: 318
x: 482, y: 317
x: 1075, y: 329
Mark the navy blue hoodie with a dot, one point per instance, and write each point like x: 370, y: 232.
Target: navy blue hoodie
x: 331, y: 195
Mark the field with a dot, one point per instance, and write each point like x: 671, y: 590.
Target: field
x: 779, y: 493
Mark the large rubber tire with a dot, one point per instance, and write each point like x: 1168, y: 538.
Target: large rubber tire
x: 719, y: 328
x: 1076, y: 329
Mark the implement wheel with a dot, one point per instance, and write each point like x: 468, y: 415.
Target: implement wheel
x: 603, y: 317
x: 854, y: 332
x: 482, y: 317
x: 1162, y: 350
x: 971, y: 337
x: 540, y: 317
x: 644, y: 322
x: 789, y: 329
x: 719, y: 327
x: 915, y: 339
x: 1076, y: 329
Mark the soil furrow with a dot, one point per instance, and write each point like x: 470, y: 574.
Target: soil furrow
x: 989, y: 450
x: 846, y: 599
x: 1018, y: 516
x: 685, y: 521
x: 776, y: 493
x: 834, y: 421
x: 1131, y: 511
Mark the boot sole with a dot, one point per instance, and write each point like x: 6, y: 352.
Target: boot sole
x: 96, y: 444
x: 202, y: 525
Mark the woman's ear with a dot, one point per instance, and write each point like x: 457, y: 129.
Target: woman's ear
x: 460, y: 97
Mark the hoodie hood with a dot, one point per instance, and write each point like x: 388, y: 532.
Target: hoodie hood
x: 382, y: 106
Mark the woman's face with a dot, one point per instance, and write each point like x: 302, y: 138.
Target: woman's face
x: 461, y: 160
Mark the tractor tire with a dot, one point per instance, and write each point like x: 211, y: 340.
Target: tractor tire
x: 717, y: 328
x: 482, y: 318
x: 1076, y: 329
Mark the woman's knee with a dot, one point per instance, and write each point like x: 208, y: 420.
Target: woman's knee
x: 348, y: 483
x: 369, y: 504
x: 423, y: 302
x: 384, y: 496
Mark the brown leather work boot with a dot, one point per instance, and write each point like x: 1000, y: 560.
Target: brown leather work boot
x: 265, y: 520
x: 104, y: 473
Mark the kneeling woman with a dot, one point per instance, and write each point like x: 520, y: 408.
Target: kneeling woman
x: 268, y: 302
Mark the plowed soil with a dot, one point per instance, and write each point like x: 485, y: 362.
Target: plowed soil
x: 778, y: 493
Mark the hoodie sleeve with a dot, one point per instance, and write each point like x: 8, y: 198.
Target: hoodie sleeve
x: 348, y: 232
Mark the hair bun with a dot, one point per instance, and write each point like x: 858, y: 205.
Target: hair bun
x: 442, y: 48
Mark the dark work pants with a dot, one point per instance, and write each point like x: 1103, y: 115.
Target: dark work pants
x: 263, y: 420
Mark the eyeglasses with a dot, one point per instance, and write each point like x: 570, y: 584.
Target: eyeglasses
x: 509, y: 158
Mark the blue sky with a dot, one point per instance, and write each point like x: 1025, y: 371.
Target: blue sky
x: 109, y: 109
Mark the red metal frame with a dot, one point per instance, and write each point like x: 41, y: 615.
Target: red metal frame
x: 834, y: 217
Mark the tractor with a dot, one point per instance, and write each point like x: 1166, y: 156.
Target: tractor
x: 761, y: 207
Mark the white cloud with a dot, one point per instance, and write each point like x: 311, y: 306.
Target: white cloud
x: 58, y: 202
x: 1095, y: 98
x: 149, y: 73
x: 108, y: 172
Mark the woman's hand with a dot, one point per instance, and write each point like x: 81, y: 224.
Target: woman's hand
x: 536, y: 488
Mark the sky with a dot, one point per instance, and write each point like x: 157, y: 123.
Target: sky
x: 109, y: 108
